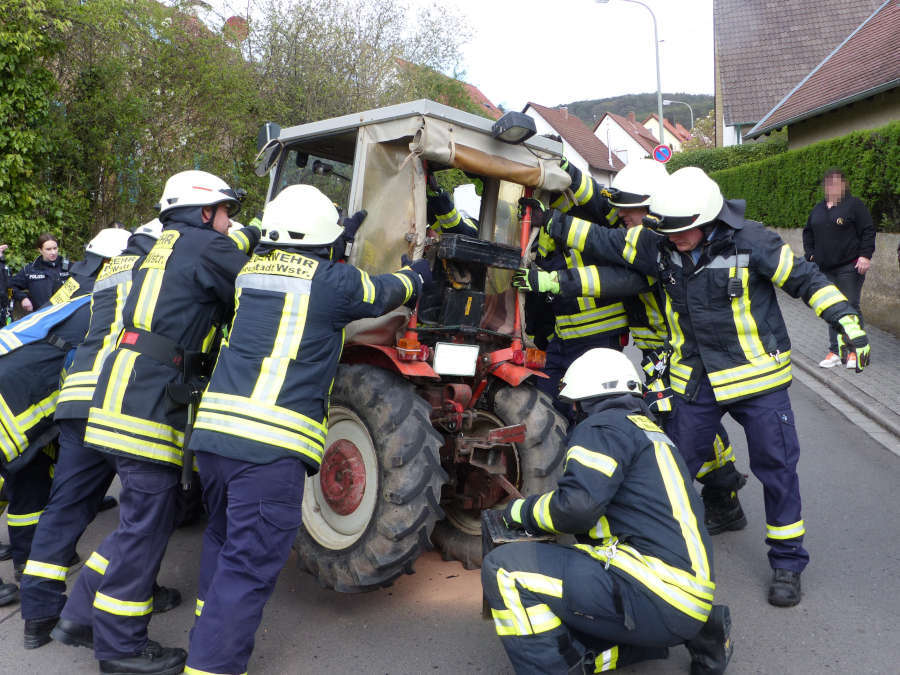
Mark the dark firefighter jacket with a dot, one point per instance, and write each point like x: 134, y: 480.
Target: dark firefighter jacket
x: 736, y: 337
x: 584, y: 316
x: 107, y: 302
x: 180, y: 295
x: 34, y: 353
x: 443, y: 217
x: 268, y: 395
x: 39, y: 279
x: 627, y: 494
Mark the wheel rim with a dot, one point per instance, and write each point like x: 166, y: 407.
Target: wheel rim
x: 339, y: 501
x: 468, y: 521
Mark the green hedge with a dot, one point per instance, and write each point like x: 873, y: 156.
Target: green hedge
x: 717, y: 159
x: 781, y: 190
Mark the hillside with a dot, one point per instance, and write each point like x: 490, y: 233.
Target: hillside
x: 642, y: 105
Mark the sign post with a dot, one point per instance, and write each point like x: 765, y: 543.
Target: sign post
x: 662, y: 153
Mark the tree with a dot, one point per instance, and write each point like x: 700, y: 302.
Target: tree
x: 703, y: 135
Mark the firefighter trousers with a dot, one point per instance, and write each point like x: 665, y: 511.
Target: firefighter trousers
x: 558, y: 610
x: 27, y: 491
x: 254, y: 513
x: 81, y: 479
x: 130, y: 557
x: 774, y: 449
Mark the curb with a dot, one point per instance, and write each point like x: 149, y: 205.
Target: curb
x: 865, y: 404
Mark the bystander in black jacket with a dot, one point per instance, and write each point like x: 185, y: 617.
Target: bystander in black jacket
x: 838, y: 235
x: 39, y: 280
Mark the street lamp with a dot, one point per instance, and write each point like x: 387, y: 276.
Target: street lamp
x: 668, y: 102
x: 659, y: 101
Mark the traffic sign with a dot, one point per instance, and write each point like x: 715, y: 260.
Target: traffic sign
x: 662, y: 153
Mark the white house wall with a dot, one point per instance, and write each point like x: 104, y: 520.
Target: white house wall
x: 619, y: 141
x: 543, y: 127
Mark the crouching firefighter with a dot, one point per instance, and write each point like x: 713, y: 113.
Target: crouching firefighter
x: 262, y: 421
x: 180, y: 294
x: 641, y: 578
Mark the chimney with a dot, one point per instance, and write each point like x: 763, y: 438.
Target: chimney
x: 566, y: 111
x: 631, y: 117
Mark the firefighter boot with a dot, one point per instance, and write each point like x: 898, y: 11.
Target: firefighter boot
x: 785, y: 588
x: 712, y: 647
x: 153, y: 659
x: 723, y: 508
x: 165, y: 599
x: 73, y: 634
x: 37, y: 632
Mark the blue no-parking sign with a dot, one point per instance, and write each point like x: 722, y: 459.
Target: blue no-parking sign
x: 662, y: 153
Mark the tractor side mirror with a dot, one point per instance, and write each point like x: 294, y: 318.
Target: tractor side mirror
x: 268, y: 132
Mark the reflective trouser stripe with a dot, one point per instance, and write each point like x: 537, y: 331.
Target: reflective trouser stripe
x: 109, y: 604
x: 195, y: 671
x: 517, y: 619
x: 23, y: 519
x: 606, y: 660
x: 198, y: 610
x: 723, y: 455
x: 46, y: 570
x: 97, y: 563
x: 785, y: 531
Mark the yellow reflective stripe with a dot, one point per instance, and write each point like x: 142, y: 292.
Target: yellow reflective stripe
x: 111, y: 605
x: 274, y: 367
x: 37, y: 412
x: 785, y: 265
x: 701, y: 588
x: 259, y: 431
x: 590, y: 281
x: 36, y: 568
x: 722, y: 455
x: 592, y: 460
x: 515, y: 511
x: 629, y: 252
x: 744, y: 323
x: 198, y: 610
x: 600, y: 530
x: 240, y: 240
x: 760, y: 366
x: 137, y: 426
x: 147, y: 297
x: 407, y: 285
x: 195, y: 671
x: 681, y: 509
x: 69, y: 394
x: 611, y: 311
x: 542, y: 618
x: 607, y: 660
x: 585, y: 190
x: 655, y: 319
x: 535, y: 619
x: 368, y: 288
x: 447, y: 220
x: 755, y: 385
x: 825, y: 297
x: 785, y: 531
x: 97, y: 563
x: 13, y: 439
x: 272, y: 414
x: 23, y: 519
x: 119, y: 377
x: 578, y: 232
x: 503, y: 621
x: 541, y: 512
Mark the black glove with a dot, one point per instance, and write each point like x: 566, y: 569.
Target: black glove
x: 420, y: 266
x: 538, y: 211
x: 351, y: 224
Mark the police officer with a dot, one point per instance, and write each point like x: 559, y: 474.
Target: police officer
x: 630, y: 194
x: 181, y: 293
x: 33, y: 353
x: 262, y: 421
x: 731, y: 351
x: 82, y: 475
x: 38, y: 280
x: 641, y: 578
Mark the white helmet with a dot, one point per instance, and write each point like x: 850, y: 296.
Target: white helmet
x: 635, y: 184
x: 152, y: 229
x: 197, y: 188
x: 300, y: 216
x: 108, y: 243
x: 600, y: 372
x: 688, y: 199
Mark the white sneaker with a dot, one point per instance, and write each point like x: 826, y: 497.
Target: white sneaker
x: 851, y: 362
x: 832, y: 360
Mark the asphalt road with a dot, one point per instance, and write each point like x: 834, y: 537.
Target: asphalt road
x: 430, y: 622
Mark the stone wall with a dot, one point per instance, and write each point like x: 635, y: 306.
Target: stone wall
x: 881, y: 290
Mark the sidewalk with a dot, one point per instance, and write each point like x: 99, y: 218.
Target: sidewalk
x: 875, y: 392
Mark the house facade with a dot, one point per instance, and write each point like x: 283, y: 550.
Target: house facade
x: 625, y: 137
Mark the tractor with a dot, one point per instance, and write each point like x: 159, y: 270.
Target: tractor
x: 433, y: 413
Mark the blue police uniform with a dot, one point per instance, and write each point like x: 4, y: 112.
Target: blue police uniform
x: 261, y: 429
x: 39, y: 280
x: 181, y: 292
x: 731, y: 350
x: 641, y: 577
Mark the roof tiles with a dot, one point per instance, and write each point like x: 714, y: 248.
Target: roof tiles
x: 577, y: 134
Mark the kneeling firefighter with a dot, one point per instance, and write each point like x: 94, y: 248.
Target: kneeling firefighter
x: 641, y: 578
x: 262, y: 421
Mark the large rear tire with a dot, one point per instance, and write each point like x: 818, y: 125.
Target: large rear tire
x: 369, y: 512
x: 540, y: 463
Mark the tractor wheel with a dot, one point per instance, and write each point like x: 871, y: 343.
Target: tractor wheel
x: 369, y: 512
x: 540, y: 463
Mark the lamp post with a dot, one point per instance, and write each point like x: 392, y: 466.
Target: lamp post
x: 669, y: 102
x: 659, y: 101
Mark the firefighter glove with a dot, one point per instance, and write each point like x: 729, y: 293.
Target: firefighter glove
x: 557, y: 226
x: 536, y: 280
x: 512, y: 514
x: 420, y: 266
x: 351, y: 224
x: 851, y: 337
x: 538, y: 211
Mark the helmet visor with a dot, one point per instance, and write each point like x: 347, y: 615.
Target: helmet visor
x: 627, y: 199
x: 671, y: 224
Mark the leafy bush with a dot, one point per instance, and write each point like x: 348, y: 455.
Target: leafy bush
x: 782, y: 190
x: 717, y: 159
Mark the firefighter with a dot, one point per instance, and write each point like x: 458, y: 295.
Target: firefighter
x: 442, y: 214
x: 731, y: 351
x: 630, y: 194
x: 180, y: 294
x: 41, y: 278
x: 262, y: 422
x: 33, y: 353
x: 641, y: 577
x: 82, y: 475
